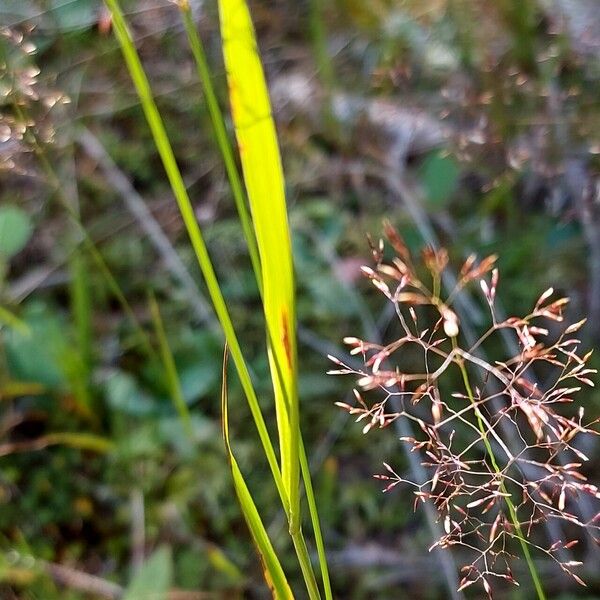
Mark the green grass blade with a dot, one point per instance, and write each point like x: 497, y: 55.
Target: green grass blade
x: 283, y: 331
x: 261, y: 163
x: 273, y: 571
x: 324, y: 64
x: 221, y: 136
x: 185, y: 206
x: 13, y: 389
x: 10, y: 320
x: 81, y: 441
x: 314, y: 517
x: 169, y: 368
x: 263, y: 176
x: 81, y: 307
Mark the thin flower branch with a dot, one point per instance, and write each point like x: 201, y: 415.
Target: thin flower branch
x: 491, y: 494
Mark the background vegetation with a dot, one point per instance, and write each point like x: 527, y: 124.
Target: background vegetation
x: 472, y: 123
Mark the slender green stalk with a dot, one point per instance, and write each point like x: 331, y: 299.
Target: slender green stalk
x: 324, y: 64
x: 507, y: 498
x: 89, y: 244
x: 314, y: 517
x: 81, y: 307
x: 165, y: 150
x: 223, y: 141
x: 295, y: 531
x: 225, y: 146
x: 80, y: 303
x: 305, y: 564
x: 170, y: 368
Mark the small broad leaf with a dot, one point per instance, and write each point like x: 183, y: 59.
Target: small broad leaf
x: 439, y: 176
x: 15, y: 230
x: 124, y: 394
x: 37, y: 354
x: 71, y: 16
x: 153, y: 580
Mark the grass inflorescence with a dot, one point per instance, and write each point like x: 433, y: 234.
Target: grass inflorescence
x: 501, y: 458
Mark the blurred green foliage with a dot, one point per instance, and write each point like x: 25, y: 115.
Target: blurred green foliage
x: 78, y: 366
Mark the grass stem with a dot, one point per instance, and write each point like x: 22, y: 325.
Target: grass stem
x: 508, y: 499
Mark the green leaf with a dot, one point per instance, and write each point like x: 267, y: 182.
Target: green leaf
x: 274, y: 575
x: 124, y: 394
x: 163, y: 145
x: 153, y: 580
x: 439, y: 175
x: 271, y: 226
x: 263, y: 176
x: 15, y: 230
x: 71, y: 16
x: 37, y: 354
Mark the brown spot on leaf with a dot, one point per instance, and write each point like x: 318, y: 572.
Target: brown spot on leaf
x: 286, y: 338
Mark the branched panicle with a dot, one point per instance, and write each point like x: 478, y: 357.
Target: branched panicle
x: 500, y: 456
x: 26, y: 103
